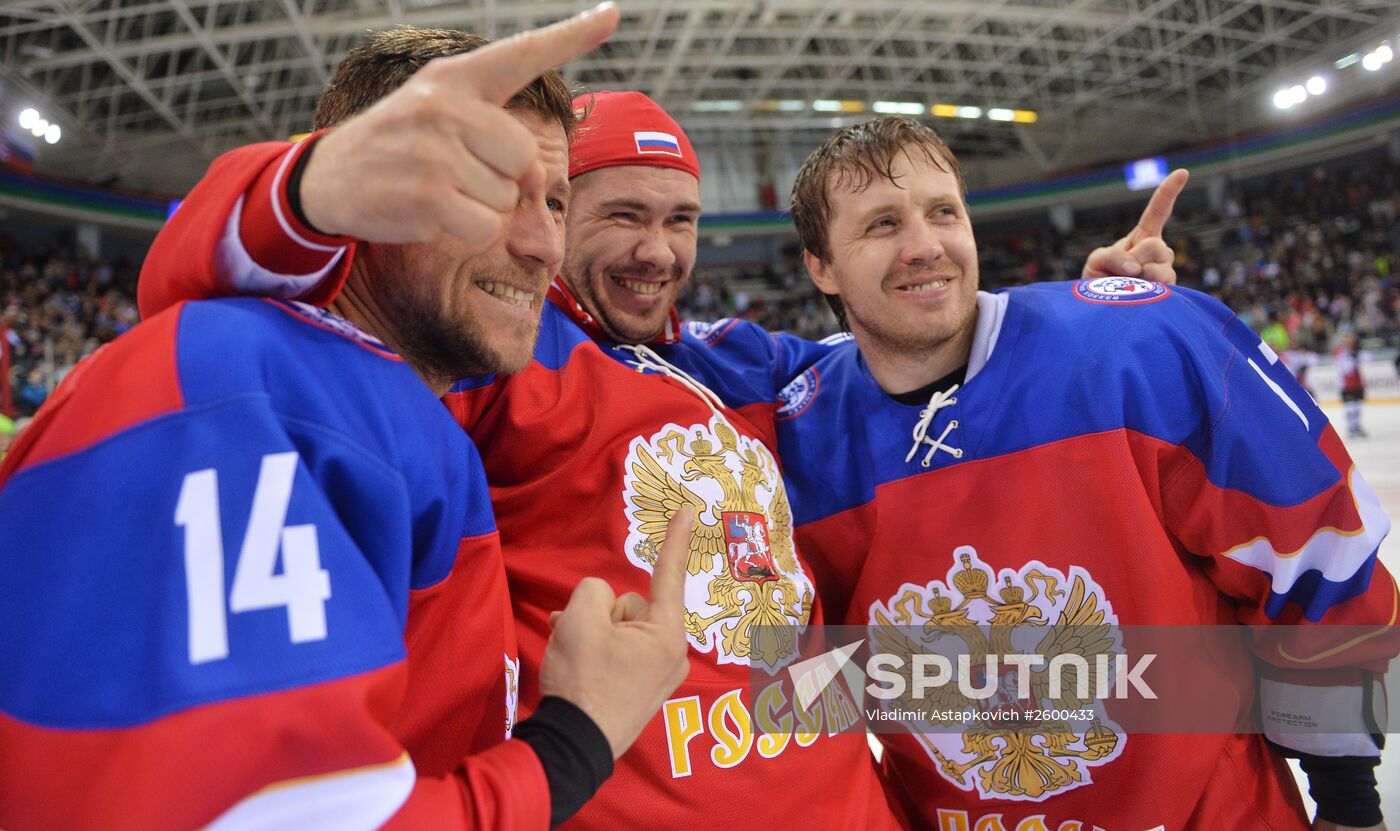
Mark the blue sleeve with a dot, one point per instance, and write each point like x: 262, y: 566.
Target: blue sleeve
x: 192, y: 559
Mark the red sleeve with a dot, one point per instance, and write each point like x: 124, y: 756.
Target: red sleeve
x: 324, y: 746
x: 235, y: 233
x: 504, y: 787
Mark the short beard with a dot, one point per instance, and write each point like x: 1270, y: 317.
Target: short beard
x: 884, y: 342
x: 446, y: 348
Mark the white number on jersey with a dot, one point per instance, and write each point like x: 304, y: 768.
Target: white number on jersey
x: 303, y: 587
x: 1272, y: 357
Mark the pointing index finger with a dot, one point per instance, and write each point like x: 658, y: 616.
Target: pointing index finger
x: 668, y: 577
x: 501, y: 69
x: 1159, y: 207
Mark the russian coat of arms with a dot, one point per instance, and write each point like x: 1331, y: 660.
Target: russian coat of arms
x: 747, y: 596
x: 1007, y: 746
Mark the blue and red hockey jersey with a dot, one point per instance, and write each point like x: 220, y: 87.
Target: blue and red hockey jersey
x: 589, y: 450
x: 252, y: 578
x: 1121, y: 452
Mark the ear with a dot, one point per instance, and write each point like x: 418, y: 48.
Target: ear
x: 820, y: 272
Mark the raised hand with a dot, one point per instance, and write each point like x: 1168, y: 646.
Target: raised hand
x: 441, y: 154
x: 1143, y: 253
x: 618, y: 658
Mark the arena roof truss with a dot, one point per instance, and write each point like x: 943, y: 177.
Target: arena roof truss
x: 141, y: 85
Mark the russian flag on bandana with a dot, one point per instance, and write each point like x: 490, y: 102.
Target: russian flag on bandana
x: 665, y: 143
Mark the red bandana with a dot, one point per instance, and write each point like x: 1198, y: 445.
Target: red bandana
x: 621, y: 128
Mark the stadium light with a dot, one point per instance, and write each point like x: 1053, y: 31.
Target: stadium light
x: 53, y: 134
x: 716, y: 106
x: 28, y: 118
x: 1371, y: 62
x: 1283, y: 99
x: 39, y: 127
x: 1316, y: 85
x: 898, y: 107
x: 1384, y: 52
x: 1299, y: 94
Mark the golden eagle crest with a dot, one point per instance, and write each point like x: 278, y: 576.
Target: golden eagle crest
x: 1057, y: 736
x: 747, y: 597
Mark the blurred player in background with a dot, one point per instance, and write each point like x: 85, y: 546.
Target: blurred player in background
x: 1349, y: 360
x: 1111, y: 451
x: 252, y: 576
x: 583, y: 449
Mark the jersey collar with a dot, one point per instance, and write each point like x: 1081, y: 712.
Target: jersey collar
x: 566, y: 301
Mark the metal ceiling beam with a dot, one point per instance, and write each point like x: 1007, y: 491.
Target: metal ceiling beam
x: 307, y: 41
x: 235, y: 81
x: 123, y: 71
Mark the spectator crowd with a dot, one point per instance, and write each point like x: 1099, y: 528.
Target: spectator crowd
x: 56, y: 307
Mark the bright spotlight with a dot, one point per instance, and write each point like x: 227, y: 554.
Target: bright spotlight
x: 1316, y: 85
x: 39, y: 127
x: 53, y: 134
x: 1371, y: 62
x: 1299, y: 94
x: 1384, y: 53
x: 28, y: 118
x: 1283, y: 99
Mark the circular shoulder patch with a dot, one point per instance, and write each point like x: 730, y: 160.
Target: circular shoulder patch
x: 710, y: 333
x: 798, y: 394
x: 1120, y: 290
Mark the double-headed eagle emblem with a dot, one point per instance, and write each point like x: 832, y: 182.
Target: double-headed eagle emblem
x: 1055, y: 736
x: 747, y: 595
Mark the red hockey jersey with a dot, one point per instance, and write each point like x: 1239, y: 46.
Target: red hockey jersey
x: 587, y: 456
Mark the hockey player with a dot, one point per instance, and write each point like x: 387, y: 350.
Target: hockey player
x: 1112, y: 451
x: 1348, y: 360
x: 583, y: 449
x: 251, y: 573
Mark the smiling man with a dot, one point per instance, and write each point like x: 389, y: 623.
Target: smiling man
x: 1111, y: 452
x: 289, y: 608
x: 622, y: 417
x: 632, y: 230
x: 587, y: 457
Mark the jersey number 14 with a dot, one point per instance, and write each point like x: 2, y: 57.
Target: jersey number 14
x: 303, y: 587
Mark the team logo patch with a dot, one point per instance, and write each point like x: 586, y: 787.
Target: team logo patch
x: 335, y: 323
x: 710, y: 333
x: 652, y: 142
x: 1120, y: 290
x: 747, y: 597
x: 798, y: 394
x: 1036, y: 610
